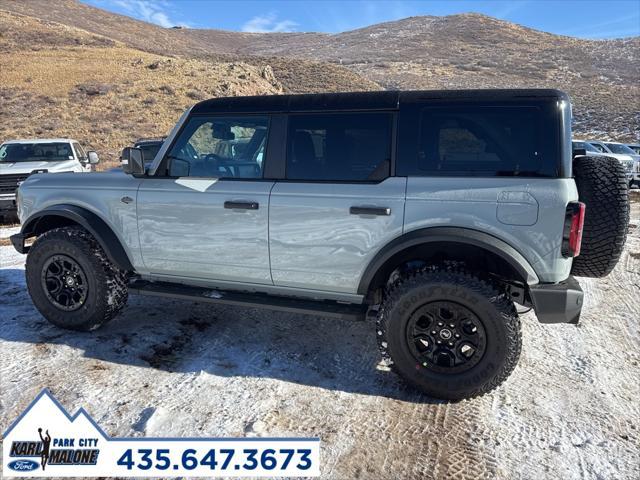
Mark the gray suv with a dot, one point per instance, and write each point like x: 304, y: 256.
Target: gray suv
x: 434, y: 212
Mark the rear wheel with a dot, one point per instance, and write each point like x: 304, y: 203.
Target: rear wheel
x: 71, y: 281
x: 449, y: 333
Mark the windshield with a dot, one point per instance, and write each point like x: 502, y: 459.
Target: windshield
x: 635, y: 148
x: 584, y: 146
x: 618, y: 148
x: 35, y: 152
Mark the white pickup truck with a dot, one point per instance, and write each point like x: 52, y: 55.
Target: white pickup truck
x: 21, y: 158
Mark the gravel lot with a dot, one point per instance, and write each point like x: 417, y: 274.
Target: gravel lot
x: 169, y: 368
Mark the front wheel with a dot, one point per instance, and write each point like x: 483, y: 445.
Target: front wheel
x: 71, y: 281
x: 449, y: 333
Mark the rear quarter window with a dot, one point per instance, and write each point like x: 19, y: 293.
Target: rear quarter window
x: 502, y: 141
x: 481, y: 140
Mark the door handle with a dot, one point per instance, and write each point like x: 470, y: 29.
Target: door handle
x: 242, y: 205
x: 385, y: 211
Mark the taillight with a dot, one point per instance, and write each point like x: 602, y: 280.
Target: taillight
x: 572, y: 234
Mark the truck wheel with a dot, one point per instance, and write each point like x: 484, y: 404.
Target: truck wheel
x: 449, y: 333
x: 602, y: 186
x: 71, y: 281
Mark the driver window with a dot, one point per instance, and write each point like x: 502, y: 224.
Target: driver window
x: 220, y: 147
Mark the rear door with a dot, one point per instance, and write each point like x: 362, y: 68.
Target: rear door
x: 206, y: 217
x: 338, y: 204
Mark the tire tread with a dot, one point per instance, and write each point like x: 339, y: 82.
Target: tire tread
x: 602, y: 186
x: 114, y: 279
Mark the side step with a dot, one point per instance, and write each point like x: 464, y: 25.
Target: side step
x: 325, y: 308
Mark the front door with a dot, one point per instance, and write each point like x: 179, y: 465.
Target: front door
x: 338, y: 205
x: 205, y: 216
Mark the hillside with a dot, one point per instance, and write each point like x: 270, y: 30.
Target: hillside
x: 57, y: 81
x: 459, y: 51
x: 295, y: 75
x: 472, y: 51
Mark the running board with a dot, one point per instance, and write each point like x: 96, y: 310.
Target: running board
x: 325, y: 308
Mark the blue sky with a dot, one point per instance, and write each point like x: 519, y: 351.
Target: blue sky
x: 581, y: 18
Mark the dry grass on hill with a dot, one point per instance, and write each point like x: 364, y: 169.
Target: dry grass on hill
x: 57, y: 82
x: 75, y: 70
x: 61, y: 81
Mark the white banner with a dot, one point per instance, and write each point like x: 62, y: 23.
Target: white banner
x: 45, y: 441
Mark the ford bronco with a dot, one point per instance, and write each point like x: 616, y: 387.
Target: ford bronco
x: 434, y: 212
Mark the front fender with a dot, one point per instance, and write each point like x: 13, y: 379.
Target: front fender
x: 59, y: 215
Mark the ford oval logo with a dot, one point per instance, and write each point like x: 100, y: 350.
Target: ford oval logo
x: 23, y: 465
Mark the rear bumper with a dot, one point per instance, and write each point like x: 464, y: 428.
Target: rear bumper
x: 557, y: 302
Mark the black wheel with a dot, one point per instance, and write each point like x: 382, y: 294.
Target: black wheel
x: 71, y: 281
x: 449, y: 333
x: 602, y: 186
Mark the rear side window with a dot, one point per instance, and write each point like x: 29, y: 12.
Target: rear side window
x: 339, y: 147
x: 484, y: 140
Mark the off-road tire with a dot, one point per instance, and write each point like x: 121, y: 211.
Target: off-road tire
x: 602, y: 187
x: 492, y: 306
x: 107, y: 289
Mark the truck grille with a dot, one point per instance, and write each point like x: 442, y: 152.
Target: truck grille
x: 9, y: 183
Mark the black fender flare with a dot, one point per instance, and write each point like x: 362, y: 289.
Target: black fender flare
x: 88, y: 220
x: 448, y: 234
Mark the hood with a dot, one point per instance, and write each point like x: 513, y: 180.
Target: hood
x: 69, y: 182
x: 7, y: 168
x: 620, y: 156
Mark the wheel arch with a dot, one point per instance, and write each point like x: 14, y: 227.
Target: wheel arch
x: 429, y: 243
x: 66, y: 215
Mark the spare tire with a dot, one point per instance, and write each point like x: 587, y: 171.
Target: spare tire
x: 602, y: 187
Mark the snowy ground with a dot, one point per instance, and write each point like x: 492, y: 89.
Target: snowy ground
x: 169, y: 368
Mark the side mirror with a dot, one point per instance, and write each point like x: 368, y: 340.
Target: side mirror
x: 132, y: 162
x: 92, y: 157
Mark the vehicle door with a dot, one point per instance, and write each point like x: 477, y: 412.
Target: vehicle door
x: 204, y: 214
x: 338, y: 204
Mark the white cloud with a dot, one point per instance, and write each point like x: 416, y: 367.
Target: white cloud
x: 153, y: 11
x: 268, y: 23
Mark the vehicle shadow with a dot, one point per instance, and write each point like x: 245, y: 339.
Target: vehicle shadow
x: 180, y: 336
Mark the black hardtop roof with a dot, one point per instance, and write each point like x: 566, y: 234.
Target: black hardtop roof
x: 378, y: 100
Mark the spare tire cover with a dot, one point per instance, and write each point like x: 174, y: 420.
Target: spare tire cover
x: 602, y: 187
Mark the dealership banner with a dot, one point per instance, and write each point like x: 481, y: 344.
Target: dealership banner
x: 45, y: 441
